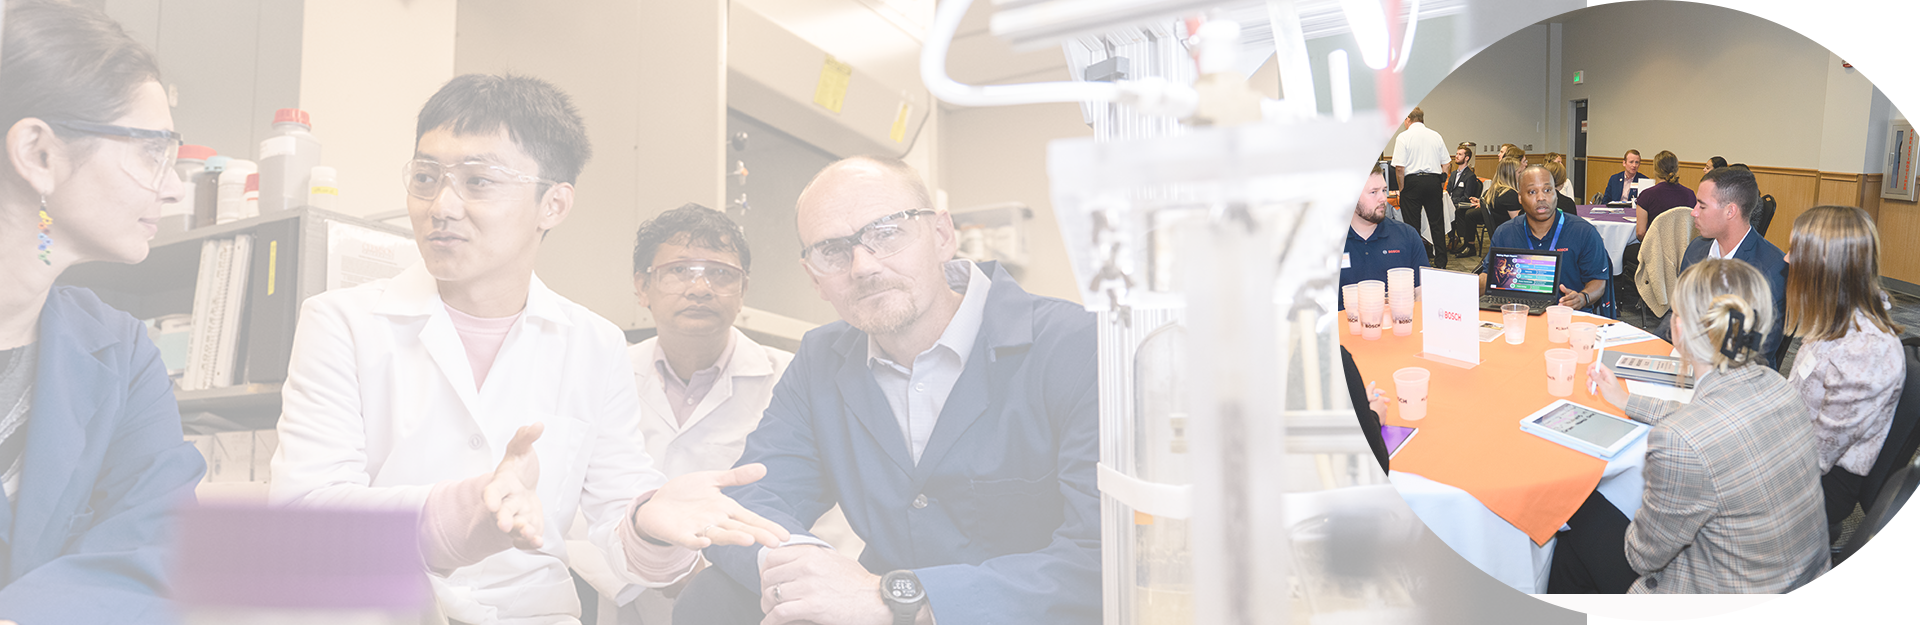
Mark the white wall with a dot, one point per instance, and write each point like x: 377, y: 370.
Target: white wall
x: 366, y: 67
x: 1843, y: 132
x: 999, y: 154
x: 1699, y: 80
x: 1496, y: 97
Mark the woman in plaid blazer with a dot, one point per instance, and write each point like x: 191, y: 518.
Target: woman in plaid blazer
x: 1733, y: 500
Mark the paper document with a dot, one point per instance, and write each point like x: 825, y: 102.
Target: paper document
x: 1620, y: 333
x: 357, y: 255
x: 1490, y: 331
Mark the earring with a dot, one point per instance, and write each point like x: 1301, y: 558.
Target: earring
x: 46, y: 222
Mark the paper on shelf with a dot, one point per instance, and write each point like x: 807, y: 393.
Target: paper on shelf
x: 358, y: 255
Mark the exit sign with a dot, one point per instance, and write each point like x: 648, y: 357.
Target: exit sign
x: 1579, y: 77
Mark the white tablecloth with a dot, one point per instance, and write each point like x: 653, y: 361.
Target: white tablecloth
x: 1496, y: 546
x: 1617, y: 236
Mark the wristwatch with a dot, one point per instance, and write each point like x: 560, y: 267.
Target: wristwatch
x: 902, y: 593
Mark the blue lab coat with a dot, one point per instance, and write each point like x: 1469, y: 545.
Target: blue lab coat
x: 1010, y: 527
x: 105, y: 466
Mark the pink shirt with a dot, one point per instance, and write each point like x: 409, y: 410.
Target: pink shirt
x: 482, y: 338
x: 683, y: 396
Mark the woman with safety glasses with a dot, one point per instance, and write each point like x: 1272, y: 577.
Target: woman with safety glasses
x: 91, y: 453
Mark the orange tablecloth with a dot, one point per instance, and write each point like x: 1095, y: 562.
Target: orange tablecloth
x: 1471, y: 437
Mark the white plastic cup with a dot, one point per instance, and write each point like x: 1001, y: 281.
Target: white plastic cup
x: 1400, y: 283
x: 1402, y: 318
x: 1558, y: 320
x: 1370, y: 318
x: 1410, y: 386
x: 1373, y: 291
x: 1581, y: 335
x: 1560, y: 371
x: 1350, y: 295
x: 1514, y: 316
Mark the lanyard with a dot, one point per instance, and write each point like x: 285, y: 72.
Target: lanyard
x: 1556, y: 234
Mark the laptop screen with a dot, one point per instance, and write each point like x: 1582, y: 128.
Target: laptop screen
x: 1522, y: 271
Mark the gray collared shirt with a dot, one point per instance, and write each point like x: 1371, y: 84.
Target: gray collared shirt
x: 683, y: 396
x: 917, y: 393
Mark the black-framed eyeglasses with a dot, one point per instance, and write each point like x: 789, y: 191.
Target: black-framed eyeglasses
x: 882, y: 237
x: 678, y: 277
x: 473, y: 181
x: 161, y: 148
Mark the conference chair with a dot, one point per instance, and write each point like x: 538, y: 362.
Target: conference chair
x: 1890, y: 474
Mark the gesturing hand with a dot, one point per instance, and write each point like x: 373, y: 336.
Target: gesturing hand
x: 1572, y: 299
x: 691, y: 512
x: 511, y: 496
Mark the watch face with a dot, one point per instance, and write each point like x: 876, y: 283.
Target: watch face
x: 901, y: 588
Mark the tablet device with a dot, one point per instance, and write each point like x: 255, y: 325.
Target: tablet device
x: 1396, y: 437
x: 1584, y: 429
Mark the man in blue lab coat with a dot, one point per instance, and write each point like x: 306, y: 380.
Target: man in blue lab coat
x: 951, y: 415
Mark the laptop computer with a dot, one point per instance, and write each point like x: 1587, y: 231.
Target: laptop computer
x: 1520, y: 276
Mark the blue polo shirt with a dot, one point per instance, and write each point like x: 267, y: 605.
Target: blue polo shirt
x: 1585, y: 256
x: 1393, y: 244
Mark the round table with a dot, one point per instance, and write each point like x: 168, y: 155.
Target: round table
x: 1616, y: 229
x: 1492, y: 492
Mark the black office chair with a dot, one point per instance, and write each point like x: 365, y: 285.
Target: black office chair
x: 1890, y: 474
x: 1600, y: 198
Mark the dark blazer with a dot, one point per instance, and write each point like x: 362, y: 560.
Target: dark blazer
x: 1001, y: 517
x: 1617, y: 186
x: 104, y: 468
x: 1771, y: 262
x: 1363, y: 410
x: 1463, y: 186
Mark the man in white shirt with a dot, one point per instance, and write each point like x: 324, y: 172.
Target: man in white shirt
x: 1420, y: 161
x: 1726, y: 198
x: 703, y: 383
x: 467, y: 390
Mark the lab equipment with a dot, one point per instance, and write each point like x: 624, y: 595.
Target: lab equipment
x: 287, y: 160
x: 177, y: 217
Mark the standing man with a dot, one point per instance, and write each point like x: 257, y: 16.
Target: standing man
x: 1720, y: 212
x: 1625, y: 186
x: 1464, y: 187
x: 1375, y: 243
x: 468, y: 391
x: 953, y: 416
x: 1419, y: 159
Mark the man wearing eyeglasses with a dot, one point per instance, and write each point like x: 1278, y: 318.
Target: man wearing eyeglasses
x: 703, y: 383
x: 467, y: 390
x: 950, y: 413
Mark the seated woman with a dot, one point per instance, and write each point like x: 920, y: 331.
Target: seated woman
x: 1501, y: 191
x: 1565, y: 203
x: 90, y: 443
x: 1584, y: 263
x: 1660, y: 197
x: 1850, y: 369
x: 1732, y: 499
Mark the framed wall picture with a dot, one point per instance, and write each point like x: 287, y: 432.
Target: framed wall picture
x: 1901, y: 153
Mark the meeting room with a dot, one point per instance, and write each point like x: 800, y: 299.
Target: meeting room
x: 1631, y: 296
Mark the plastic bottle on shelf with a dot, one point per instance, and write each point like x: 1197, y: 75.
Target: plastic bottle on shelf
x: 233, y: 190
x: 286, y: 160
x: 322, y: 190
x: 206, y: 191
x: 178, y: 217
x: 252, y: 197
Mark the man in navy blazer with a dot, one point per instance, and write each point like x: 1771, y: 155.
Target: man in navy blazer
x: 951, y: 415
x: 1725, y: 198
x: 1620, y: 187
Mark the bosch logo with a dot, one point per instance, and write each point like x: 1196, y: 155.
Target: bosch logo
x: 1450, y: 316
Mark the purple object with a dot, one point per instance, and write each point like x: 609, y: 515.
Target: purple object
x: 1622, y: 217
x: 233, y: 556
x: 1396, y: 436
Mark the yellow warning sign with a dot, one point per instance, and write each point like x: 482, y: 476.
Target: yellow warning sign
x: 832, y: 90
x: 900, y: 124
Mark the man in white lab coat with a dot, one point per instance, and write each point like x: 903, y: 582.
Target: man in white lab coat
x: 467, y: 390
x: 703, y: 383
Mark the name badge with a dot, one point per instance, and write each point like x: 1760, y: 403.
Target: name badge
x: 1346, y: 261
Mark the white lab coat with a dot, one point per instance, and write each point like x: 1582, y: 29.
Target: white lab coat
x: 712, y: 439
x: 380, y: 404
